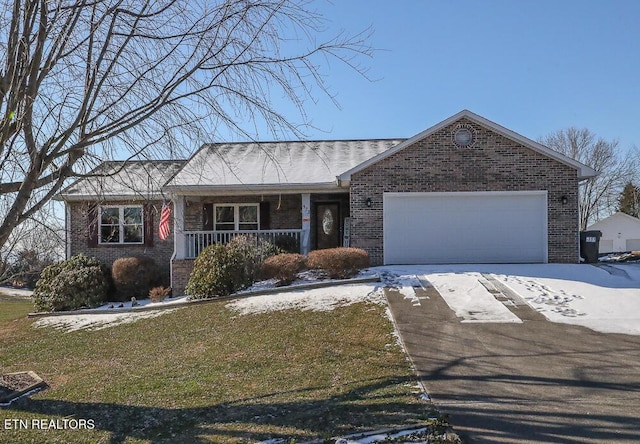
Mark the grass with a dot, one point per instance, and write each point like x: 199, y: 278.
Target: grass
x: 205, y: 374
x: 12, y: 310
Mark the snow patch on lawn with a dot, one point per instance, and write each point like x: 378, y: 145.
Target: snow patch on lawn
x: 96, y: 321
x: 141, y: 303
x: 303, y: 278
x: 317, y: 299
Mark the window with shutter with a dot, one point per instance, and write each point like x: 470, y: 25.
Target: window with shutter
x: 121, y: 225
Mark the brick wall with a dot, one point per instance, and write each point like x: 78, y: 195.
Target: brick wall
x: 161, y: 251
x: 182, y: 269
x: 494, y: 163
x: 284, y: 210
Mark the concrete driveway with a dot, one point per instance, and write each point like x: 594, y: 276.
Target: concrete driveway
x: 535, y: 381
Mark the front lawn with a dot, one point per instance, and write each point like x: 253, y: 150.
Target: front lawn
x: 14, y: 309
x: 206, y: 374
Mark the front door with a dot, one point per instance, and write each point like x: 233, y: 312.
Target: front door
x: 327, y: 225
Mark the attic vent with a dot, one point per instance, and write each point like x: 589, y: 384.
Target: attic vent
x: 464, y: 136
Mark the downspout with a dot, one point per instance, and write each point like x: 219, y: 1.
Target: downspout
x: 67, y: 230
x: 173, y: 256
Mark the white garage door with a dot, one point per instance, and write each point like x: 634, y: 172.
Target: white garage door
x: 633, y: 244
x: 478, y: 227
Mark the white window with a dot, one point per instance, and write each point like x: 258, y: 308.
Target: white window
x: 121, y: 225
x: 234, y: 217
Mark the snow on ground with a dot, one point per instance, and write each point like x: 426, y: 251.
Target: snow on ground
x: 317, y: 299
x: 141, y: 303
x: 97, y: 321
x: 469, y: 299
x: 120, y: 314
x: 581, y: 295
x: 606, y: 301
x: 403, y: 281
x: 305, y: 277
x: 17, y: 293
x: 577, y: 294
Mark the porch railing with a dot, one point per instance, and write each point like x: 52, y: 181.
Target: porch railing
x: 196, y: 241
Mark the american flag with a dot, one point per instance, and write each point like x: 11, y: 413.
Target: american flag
x: 165, y: 215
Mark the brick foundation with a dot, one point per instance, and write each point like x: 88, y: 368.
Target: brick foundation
x: 181, y: 270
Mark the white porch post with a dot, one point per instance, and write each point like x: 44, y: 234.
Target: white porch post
x: 305, y: 237
x: 179, y: 243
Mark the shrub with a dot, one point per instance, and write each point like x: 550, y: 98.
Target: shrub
x: 285, y: 267
x: 246, y: 254
x: 158, y: 294
x: 80, y: 281
x: 220, y: 270
x: 211, y: 275
x: 339, y: 263
x: 287, y: 243
x: 134, y: 276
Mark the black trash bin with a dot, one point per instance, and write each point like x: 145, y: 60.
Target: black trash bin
x: 589, y: 245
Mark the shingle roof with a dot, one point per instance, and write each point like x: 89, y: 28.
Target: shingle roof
x: 264, y: 166
x: 274, y: 164
x: 129, y: 180
x: 583, y: 171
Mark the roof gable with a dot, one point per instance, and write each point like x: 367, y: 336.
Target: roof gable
x: 126, y: 180
x: 583, y: 171
x: 617, y: 218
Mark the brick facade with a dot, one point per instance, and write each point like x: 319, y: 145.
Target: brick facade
x: 284, y: 209
x: 182, y: 269
x: 493, y: 163
x: 433, y: 164
x: 79, y: 224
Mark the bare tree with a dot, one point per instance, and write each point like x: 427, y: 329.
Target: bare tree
x: 598, y: 195
x: 33, y: 245
x: 87, y: 80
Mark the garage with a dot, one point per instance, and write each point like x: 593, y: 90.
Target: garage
x: 465, y: 227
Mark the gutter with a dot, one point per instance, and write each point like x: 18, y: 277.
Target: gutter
x: 107, y: 197
x: 204, y: 190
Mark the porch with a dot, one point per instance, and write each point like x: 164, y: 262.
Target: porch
x: 293, y: 222
x: 287, y: 240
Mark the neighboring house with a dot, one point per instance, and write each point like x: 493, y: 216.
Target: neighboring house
x: 464, y: 191
x: 620, y: 233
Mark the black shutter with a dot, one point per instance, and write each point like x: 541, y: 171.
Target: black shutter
x: 92, y: 226
x: 265, y: 216
x: 207, y: 217
x: 147, y: 215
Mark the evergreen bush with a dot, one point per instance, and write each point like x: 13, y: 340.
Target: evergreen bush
x: 78, y: 282
x: 211, y: 275
x: 220, y: 270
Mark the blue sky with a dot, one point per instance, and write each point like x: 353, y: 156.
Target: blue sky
x: 532, y: 66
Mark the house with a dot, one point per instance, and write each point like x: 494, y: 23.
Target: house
x: 466, y: 190
x: 620, y: 233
